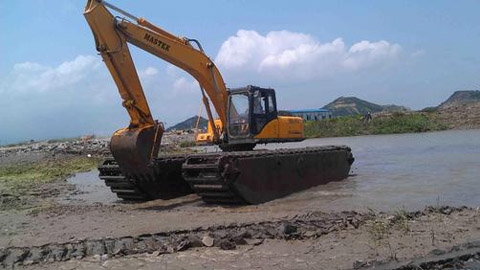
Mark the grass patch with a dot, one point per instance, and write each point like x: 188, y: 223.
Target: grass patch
x: 354, y: 125
x: 19, y: 180
x: 184, y: 144
x: 45, y: 171
x: 401, y: 219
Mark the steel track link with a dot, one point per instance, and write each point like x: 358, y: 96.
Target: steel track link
x: 161, y: 181
x: 123, y: 187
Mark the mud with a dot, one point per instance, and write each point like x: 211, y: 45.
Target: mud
x: 466, y: 256
x: 285, y: 244
x: 312, y: 225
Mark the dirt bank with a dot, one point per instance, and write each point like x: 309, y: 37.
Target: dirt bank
x: 312, y: 241
x: 460, y: 117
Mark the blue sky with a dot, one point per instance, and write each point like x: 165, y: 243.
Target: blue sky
x: 412, y: 53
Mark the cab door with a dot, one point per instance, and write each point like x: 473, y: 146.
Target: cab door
x: 264, y: 109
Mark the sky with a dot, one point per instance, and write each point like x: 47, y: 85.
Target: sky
x: 53, y: 83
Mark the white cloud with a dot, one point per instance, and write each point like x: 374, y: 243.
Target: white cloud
x: 182, y: 82
x: 297, y: 56
x: 418, y: 53
x: 33, y: 77
x: 148, y: 72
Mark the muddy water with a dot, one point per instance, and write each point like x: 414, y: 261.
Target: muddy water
x: 406, y: 171
x: 402, y: 171
x: 90, y: 189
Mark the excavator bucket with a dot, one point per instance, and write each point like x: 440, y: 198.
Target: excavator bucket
x: 134, y: 174
x: 132, y: 149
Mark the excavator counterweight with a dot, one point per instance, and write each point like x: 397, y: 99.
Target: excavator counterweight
x: 247, y: 116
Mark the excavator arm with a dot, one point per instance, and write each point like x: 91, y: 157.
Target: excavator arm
x: 134, y: 146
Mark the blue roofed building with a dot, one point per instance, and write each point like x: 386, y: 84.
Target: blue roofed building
x: 310, y: 114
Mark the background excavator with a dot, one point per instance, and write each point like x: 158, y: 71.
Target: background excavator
x: 246, y: 116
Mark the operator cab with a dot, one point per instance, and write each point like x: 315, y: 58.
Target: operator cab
x: 249, y: 110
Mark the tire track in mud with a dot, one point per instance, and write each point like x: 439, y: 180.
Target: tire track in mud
x: 306, y: 226
x: 309, y: 226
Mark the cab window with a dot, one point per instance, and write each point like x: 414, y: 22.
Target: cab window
x: 271, y: 106
x: 259, y: 103
x: 239, y: 115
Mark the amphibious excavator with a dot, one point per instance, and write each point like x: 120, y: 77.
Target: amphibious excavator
x: 246, y: 116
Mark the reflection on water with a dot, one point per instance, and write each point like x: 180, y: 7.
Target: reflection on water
x: 403, y: 171
x: 89, y: 188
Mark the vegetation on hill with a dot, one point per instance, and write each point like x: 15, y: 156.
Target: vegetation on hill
x: 190, y: 123
x: 344, y: 106
x: 355, y: 125
x: 460, y: 98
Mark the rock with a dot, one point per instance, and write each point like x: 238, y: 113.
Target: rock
x: 3, y: 254
x: 207, y: 240
x: 78, y: 251
x: 118, y: 247
x: 124, y: 246
x: 184, y: 245
x: 239, y: 238
x: 95, y: 247
x: 194, y: 241
x: 309, y: 234
x: 287, y: 229
x: 360, y: 264
x: 109, y: 246
x: 269, y: 233
x: 220, y: 234
x: 446, y: 210
x: 14, y: 256
x: 56, y: 253
x: 254, y: 242
x: 162, y: 250
x: 146, y: 244
x: 321, y: 232
x: 226, y: 244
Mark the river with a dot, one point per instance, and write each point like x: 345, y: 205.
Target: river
x: 404, y: 171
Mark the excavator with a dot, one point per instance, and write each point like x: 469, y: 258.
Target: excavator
x: 247, y: 116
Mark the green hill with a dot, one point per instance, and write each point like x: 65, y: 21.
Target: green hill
x: 343, y: 106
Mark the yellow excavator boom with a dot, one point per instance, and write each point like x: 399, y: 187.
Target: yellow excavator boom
x: 143, y: 135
